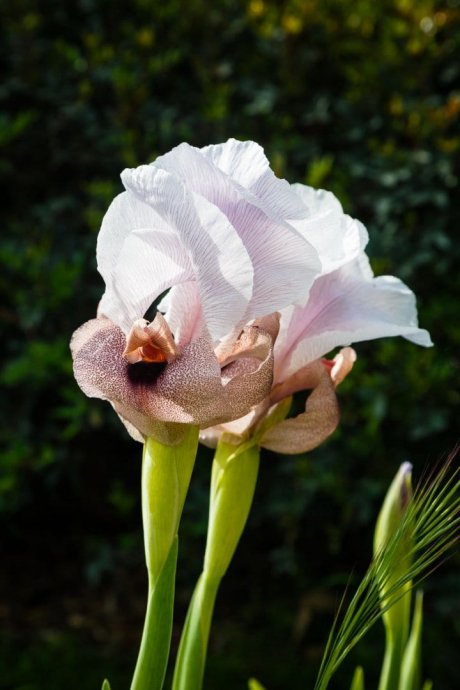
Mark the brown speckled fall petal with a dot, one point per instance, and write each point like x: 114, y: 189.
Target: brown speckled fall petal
x: 251, y: 342
x: 188, y: 390
x: 312, y: 427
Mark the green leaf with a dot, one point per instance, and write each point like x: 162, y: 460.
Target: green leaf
x: 358, y: 679
x: 428, y: 685
x: 411, y: 672
x: 106, y: 685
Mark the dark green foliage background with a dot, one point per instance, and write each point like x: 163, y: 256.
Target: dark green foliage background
x: 360, y: 97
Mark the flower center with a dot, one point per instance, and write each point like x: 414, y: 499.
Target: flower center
x: 145, y: 372
x: 150, y: 343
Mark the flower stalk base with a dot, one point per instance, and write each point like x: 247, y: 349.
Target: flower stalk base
x: 166, y: 473
x: 233, y: 481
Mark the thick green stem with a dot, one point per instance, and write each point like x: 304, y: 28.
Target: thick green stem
x: 233, y: 481
x: 166, y: 472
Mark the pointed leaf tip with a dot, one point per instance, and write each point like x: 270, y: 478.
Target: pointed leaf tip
x: 254, y: 684
x: 358, y: 679
x: 106, y: 685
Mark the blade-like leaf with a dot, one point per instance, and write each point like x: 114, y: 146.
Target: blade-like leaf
x: 411, y: 672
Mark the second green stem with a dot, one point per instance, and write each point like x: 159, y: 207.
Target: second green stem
x: 233, y: 481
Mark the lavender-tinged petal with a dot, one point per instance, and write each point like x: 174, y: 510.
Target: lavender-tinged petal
x: 150, y: 261
x: 337, y: 238
x: 125, y: 214
x: 245, y: 163
x: 220, y: 261
x: 182, y: 309
x: 284, y: 261
x: 343, y: 310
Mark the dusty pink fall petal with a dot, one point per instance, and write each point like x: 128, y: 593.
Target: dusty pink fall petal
x: 189, y: 390
x: 310, y: 377
x: 320, y: 419
x: 251, y: 342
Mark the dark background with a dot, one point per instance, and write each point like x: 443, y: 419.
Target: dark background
x: 360, y: 97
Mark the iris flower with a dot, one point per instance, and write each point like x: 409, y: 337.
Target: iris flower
x: 345, y: 305
x: 219, y: 245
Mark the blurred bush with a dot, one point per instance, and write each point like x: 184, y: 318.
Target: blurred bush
x: 362, y: 98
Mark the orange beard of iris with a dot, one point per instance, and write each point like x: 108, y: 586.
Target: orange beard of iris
x: 152, y: 355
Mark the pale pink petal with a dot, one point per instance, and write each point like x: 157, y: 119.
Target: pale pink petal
x: 337, y: 238
x: 245, y: 163
x: 342, y: 365
x: 344, y: 308
x: 182, y: 309
x: 317, y: 201
x: 139, y: 257
x: 309, y: 429
x: 219, y: 259
x: 150, y: 261
x: 284, y: 261
x: 125, y: 214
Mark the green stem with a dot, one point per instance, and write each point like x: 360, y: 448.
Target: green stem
x: 389, y: 676
x: 166, y: 472
x: 233, y: 481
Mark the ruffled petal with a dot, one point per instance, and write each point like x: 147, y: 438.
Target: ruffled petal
x: 245, y: 163
x: 220, y: 262
x: 284, y: 261
x: 337, y: 238
x: 345, y: 307
x: 125, y: 214
x: 150, y: 261
x: 309, y: 429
